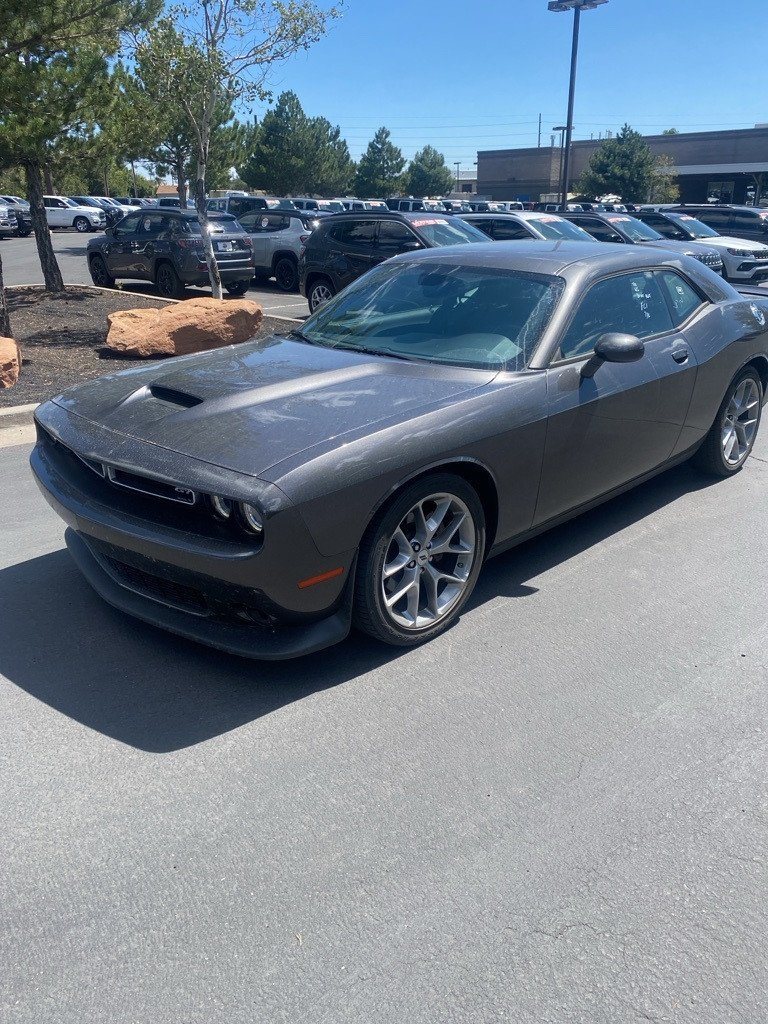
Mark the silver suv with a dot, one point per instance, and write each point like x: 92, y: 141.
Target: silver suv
x: 278, y: 236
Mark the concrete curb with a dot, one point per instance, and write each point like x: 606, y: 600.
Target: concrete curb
x: 17, y: 416
x: 143, y: 295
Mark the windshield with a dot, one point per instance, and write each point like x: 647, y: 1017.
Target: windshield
x: 334, y: 207
x: 440, y: 312
x: 695, y: 228
x: 83, y: 201
x: 434, y: 206
x: 633, y: 228
x: 441, y: 231
x: 557, y: 229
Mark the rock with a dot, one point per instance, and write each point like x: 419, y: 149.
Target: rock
x: 183, y: 327
x: 10, y: 362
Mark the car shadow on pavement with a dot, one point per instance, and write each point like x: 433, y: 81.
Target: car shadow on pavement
x: 159, y: 693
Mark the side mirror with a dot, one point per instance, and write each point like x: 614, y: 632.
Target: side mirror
x: 412, y: 245
x: 614, y: 348
x: 109, y: 231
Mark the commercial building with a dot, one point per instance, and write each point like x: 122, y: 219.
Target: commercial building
x: 724, y: 165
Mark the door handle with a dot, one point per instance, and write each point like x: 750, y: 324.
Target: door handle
x: 680, y: 355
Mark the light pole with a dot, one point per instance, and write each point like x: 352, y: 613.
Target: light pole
x: 457, y: 165
x: 563, y: 198
x: 577, y: 6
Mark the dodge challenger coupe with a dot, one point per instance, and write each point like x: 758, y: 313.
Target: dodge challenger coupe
x: 265, y: 497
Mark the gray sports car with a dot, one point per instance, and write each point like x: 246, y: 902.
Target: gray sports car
x: 449, y: 404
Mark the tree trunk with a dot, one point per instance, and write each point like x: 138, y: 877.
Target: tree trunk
x: 49, y: 180
x: 5, y: 321
x: 181, y: 179
x: 51, y: 272
x: 202, y: 217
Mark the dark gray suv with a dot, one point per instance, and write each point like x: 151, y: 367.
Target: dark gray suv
x: 166, y: 246
x: 740, y: 221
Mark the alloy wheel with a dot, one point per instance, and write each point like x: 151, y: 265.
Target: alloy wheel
x: 428, y: 562
x: 321, y: 293
x: 740, y: 422
x: 82, y: 225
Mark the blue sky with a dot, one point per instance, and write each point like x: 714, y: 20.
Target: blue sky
x: 465, y: 77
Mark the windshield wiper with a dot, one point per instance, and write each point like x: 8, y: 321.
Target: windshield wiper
x: 301, y: 336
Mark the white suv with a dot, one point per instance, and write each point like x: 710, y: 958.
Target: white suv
x: 65, y: 213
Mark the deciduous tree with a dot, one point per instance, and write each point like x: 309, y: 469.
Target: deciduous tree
x: 206, y: 53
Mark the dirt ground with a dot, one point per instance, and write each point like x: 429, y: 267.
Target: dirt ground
x: 62, y: 337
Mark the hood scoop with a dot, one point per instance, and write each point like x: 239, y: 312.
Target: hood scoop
x: 170, y: 396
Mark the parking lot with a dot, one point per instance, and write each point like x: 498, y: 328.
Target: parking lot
x: 553, y: 813
x: 21, y: 265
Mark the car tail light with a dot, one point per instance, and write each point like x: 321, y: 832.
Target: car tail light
x: 246, y: 243
x: 303, y: 238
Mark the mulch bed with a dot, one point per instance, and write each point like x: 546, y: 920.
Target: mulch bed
x: 62, y: 337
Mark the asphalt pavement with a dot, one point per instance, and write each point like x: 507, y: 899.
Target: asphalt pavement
x: 554, y: 813
x: 21, y: 265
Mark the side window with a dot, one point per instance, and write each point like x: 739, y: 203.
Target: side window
x: 598, y: 229
x: 128, y: 225
x: 395, y: 237
x: 628, y: 303
x: 486, y: 226
x: 47, y: 203
x: 717, y: 219
x: 745, y: 220
x: 357, y: 234
x: 505, y: 230
x: 683, y: 299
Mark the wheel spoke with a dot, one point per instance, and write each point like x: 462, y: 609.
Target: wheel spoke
x: 403, y: 556
x: 445, y: 543
x: 409, y: 583
x: 437, y: 518
x: 729, y: 441
x: 429, y: 581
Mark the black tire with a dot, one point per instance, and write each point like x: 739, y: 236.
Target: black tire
x: 261, y: 276
x: 237, y: 287
x: 286, y: 274
x: 711, y: 457
x: 315, y: 296
x: 81, y: 225
x: 100, y: 276
x: 168, y: 282
x: 370, y: 614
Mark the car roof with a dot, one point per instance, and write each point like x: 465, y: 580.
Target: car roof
x: 543, y: 257
x: 511, y: 214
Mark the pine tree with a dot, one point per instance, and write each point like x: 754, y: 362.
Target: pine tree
x: 427, y: 174
x: 623, y: 166
x: 380, y: 170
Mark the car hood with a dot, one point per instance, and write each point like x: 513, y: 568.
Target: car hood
x: 248, y: 407
x: 728, y: 241
x: 689, y: 248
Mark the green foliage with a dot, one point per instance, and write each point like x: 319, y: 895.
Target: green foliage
x: 623, y: 166
x: 428, y: 175
x: 664, y: 187
x: 380, y: 171
x: 290, y: 153
x: 55, y: 26
x: 670, y: 131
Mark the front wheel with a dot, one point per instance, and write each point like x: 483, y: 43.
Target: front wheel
x: 82, y: 224
x: 320, y: 292
x: 168, y: 282
x: 419, y: 561
x: 731, y: 437
x: 286, y: 275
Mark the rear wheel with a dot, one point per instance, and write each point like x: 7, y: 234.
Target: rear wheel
x: 731, y: 437
x: 320, y: 292
x: 419, y: 561
x: 168, y: 281
x: 237, y: 287
x: 99, y: 273
x: 82, y: 224
x: 286, y: 275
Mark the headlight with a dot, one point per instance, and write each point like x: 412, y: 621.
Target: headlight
x: 222, y: 507
x: 740, y: 252
x: 251, y: 517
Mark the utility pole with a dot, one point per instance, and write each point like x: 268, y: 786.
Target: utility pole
x: 457, y: 164
x: 538, y: 144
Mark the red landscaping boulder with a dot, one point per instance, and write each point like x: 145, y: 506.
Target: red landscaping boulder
x: 10, y: 362
x: 190, y: 326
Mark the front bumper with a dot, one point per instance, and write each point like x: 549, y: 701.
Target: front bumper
x: 216, y: 587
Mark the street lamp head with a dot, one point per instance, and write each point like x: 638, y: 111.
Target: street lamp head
x: 560, y: 128
x: 570, y: 5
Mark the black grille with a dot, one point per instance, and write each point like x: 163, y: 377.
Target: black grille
x: 168, y: 591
